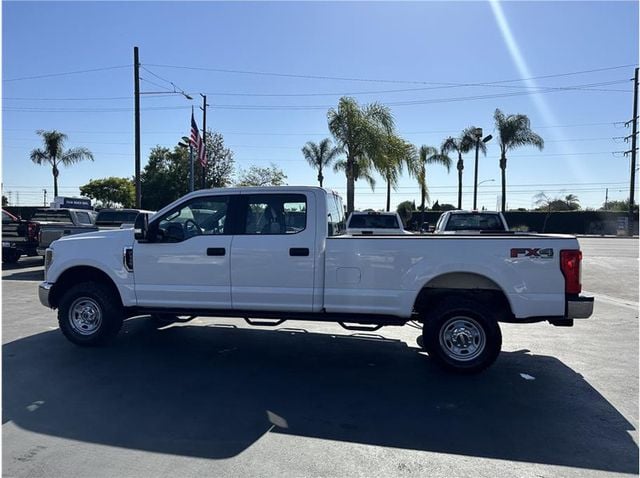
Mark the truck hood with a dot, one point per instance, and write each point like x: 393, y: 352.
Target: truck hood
x: 102, y: 240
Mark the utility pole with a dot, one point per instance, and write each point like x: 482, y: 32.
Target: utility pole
x: 44, y: 198
x: 634, y: 149
x: 136, y: 95
x: 204, y: 136
x: 606, y: 199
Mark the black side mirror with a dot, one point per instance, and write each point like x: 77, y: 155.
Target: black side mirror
x: 141, y: 226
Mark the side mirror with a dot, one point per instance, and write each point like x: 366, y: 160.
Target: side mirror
x: 141, y: 226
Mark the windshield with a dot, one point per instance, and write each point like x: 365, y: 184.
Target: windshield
x: 116, y: 217
x: 373, y: 221
x: 474, y: 222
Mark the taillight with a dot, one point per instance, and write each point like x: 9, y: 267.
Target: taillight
x: 570, y: 266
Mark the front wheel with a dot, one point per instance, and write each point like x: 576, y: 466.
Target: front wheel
x: 90, y: 314
x: 462, y: 335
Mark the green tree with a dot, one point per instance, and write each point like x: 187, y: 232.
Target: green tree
x: 462, y: 145
x: 618, y: 206
x: 54, y: 154
x: 111, y: 191
x: 5, y: 201
x: 320, y: 156
x: 514, y: 132
x: 428, y: 155
x: 259, y: 176
x: 405, y: 210
x: 393, y: 155
x: 361, y: 170
x: 359, y: 132
x: 165, y: 177
x: 220, y: 165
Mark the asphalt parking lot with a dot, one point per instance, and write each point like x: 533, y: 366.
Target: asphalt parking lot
x: 215, y: 397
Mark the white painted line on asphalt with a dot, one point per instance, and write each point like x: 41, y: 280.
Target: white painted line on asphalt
x: 527, y: 376
x: 627, y: 304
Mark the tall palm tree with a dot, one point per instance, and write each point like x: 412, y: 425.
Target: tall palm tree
x: 360, y: 171
x: 54, y: 154
x: 462, y: 145
x: 394, y: 154
x: 514, y: 132
x: 320, y: 156
x: 427, y: 155
x: 359, y: 132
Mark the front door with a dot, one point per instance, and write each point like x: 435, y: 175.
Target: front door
x: 272, y: 259
x: 186, y: 262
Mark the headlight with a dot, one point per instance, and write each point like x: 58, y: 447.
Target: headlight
x: 48, y: 259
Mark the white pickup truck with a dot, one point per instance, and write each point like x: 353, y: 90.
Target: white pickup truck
x: 281, y: 254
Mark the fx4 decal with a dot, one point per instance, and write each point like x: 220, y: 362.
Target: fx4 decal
x: 546, y: 253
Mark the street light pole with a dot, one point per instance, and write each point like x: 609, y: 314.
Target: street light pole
x: 478, y: 134
x: 136, y: 95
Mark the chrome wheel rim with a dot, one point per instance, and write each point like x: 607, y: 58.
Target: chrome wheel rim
x: 85, y: 316
x: 462, y: 338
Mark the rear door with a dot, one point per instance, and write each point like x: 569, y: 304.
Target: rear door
x: 272, y: 258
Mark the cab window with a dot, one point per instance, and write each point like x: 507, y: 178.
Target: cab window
x: 275, y: 214
x: 198, y: 217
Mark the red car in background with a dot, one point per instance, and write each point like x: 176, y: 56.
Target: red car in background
x: 19, y: 237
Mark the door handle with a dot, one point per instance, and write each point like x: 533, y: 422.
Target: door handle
x: 216, y: 251
x: 299, y: 251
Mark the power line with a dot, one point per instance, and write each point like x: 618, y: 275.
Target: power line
x: 371, y: 80
x: 66, y: 73
x: 264, y: 133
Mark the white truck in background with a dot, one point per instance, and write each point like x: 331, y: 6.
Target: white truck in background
x: 375, y: 223
x: 282, y: 253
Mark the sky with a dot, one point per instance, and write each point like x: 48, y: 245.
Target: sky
x: 271, y: 71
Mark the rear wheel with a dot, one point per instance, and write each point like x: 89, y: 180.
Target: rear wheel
x: 90, y: 314
x: 462, y: 335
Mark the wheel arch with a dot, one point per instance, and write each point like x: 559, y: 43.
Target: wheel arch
x: 469, y: 284
x: 77, y: 274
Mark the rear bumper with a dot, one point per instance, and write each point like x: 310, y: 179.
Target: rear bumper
x: 43, y: 293
x: 579, y: 307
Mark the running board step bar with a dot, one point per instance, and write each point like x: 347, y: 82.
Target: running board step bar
x: 360, y: 328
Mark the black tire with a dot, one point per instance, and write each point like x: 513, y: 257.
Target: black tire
x: 10, y: 256
x: 104, y: 314
x: 462, y: 335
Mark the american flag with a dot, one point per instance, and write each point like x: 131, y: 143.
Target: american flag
x: 197, y: 143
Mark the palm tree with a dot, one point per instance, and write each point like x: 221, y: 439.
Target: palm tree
x: 320, y: 155
x: 54, y: 154
x: 572, y: 202
x: 360, y: 171
x: 515, y: 132
x: 427, y: 155
x: 389, y: 162
x: 359, y: 132
x: 462, y: 145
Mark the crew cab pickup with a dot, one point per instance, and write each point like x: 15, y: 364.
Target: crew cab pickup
x: 465, y: 222
x: 19, y: 237
x: 59, y: 222
x: 281, y: 253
